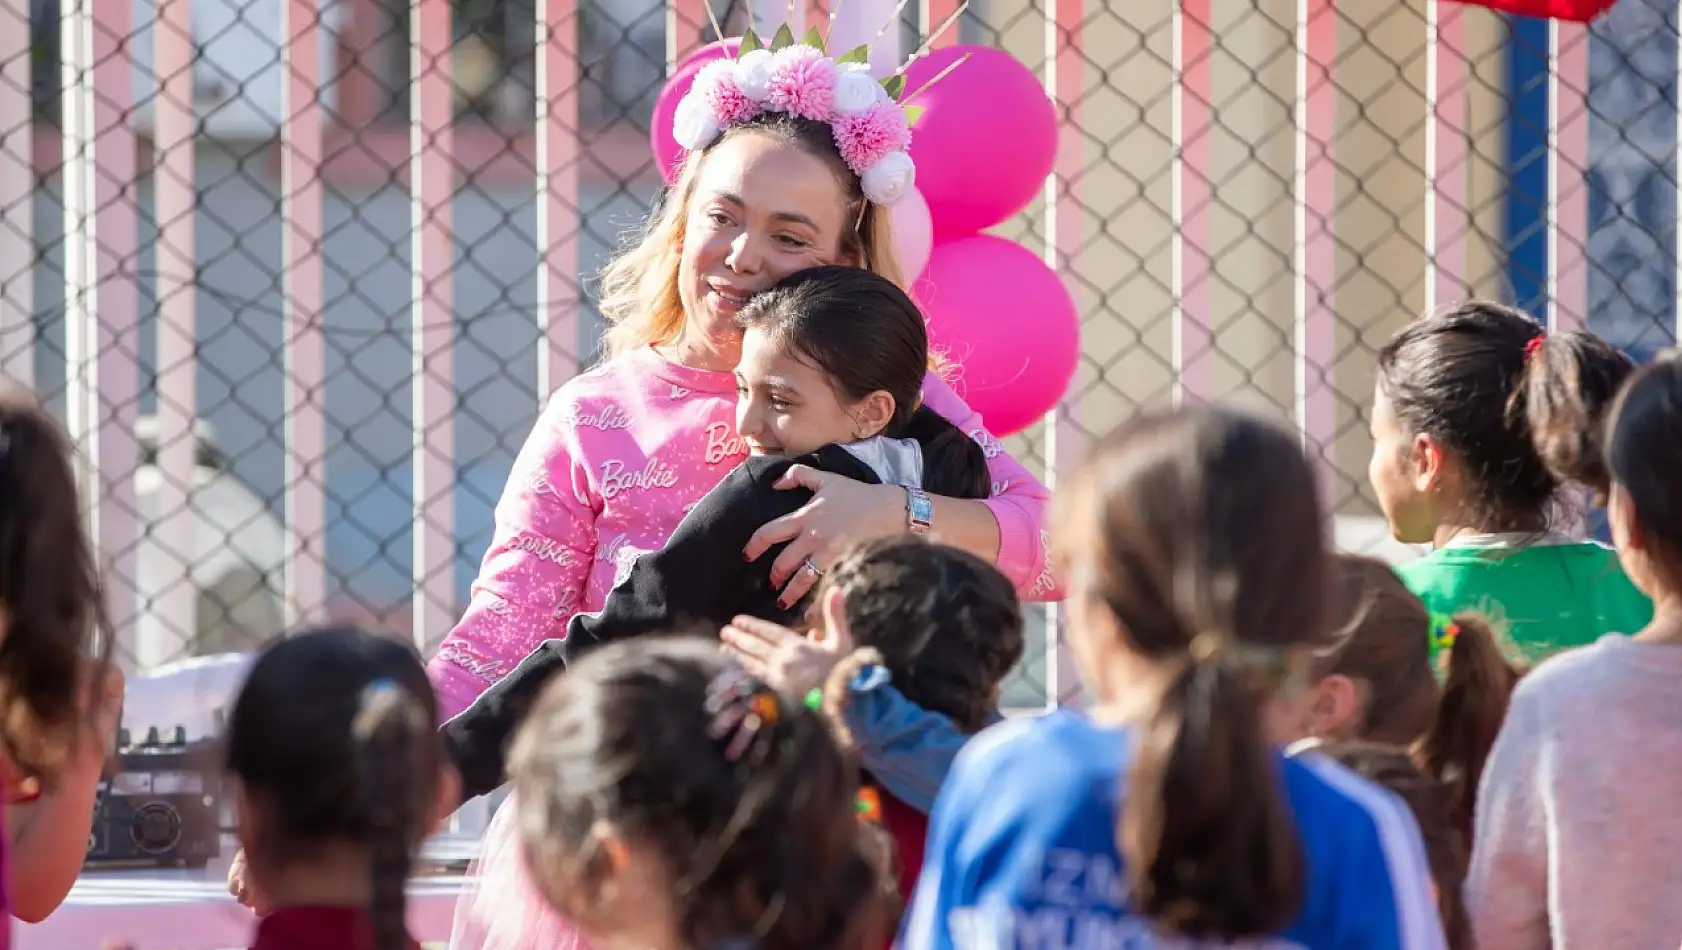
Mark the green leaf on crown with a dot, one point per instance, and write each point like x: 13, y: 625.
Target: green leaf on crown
x: 913, y: 113
x: 783, y: 39
x: 750, y: 42
x: 858, y: 54
x: 895, y: 85
x: 813, y: 38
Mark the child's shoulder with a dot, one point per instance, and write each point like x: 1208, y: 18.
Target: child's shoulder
x: 1040, y: 755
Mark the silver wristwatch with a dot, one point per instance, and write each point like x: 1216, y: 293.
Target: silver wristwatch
x: 919, y: 511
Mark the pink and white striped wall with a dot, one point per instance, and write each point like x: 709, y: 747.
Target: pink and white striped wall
x: 100, y: 148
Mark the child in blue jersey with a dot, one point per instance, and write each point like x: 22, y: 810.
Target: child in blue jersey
x: 1197, y: 573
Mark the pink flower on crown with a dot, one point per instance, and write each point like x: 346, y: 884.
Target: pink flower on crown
x: 802, y: 83
x: 719, y: 90
x: 868, y: 137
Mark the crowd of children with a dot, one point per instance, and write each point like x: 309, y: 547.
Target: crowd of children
x: 1285, y: 747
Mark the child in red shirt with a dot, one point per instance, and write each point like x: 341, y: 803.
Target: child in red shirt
x: 339, y: 774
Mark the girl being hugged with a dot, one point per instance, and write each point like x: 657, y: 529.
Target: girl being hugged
x: 1479, y: 421
x: 1198, y: 577
x: 668, y: 799
x: 793, y: 161
x: 339, y: 774
x: 1576, y: 832
x: 833, y: 359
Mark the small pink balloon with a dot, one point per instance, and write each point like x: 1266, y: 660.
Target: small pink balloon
x: 668, y: 155
x: 913, y: 233
x: 1007, y: 323
x: 986, y: 140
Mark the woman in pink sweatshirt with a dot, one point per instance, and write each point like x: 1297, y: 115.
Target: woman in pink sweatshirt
x: 622, y: 452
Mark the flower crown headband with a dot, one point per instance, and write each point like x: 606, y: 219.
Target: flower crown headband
x: 869, y: 119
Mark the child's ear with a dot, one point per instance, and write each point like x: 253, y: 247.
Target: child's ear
x: 449, y: 796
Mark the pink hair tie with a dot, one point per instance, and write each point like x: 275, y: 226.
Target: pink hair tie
x: 1534, y: 344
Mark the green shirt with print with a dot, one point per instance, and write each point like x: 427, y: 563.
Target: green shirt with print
x: 1549, y: 596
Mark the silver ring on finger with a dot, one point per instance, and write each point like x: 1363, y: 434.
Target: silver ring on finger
x: 809, y: 567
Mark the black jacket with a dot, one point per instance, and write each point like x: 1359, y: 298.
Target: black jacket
x: 698, y: 580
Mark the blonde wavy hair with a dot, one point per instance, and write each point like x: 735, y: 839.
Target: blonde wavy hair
x: 639, y: 287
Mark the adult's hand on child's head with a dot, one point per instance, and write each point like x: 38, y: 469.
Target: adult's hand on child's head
x: 243, y: 888
x: 783, y: 658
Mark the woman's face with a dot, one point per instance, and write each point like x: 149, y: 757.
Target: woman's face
x: 786, y: 406
x: 762, y: 209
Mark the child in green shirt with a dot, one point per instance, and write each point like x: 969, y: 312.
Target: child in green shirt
x: 1480, y: 422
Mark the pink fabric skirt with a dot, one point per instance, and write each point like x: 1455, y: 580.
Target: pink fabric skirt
x: 502, y: 909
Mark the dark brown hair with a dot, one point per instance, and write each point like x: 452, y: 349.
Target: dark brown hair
x: 1382, y: 641
x: 1644, y: 456
x: 765, y: 847
x: 867, y: 335
x: 946, y: 624
x: 1447, y: 845
x: 56, y: 641
x: 334, y: 737
x: 1478, y: 683
x: 1200, y: 531
x: 1523, y: 416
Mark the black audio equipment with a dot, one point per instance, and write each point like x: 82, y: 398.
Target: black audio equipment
x: 160, y: 805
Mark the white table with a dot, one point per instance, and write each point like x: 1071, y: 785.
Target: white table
x: 160, y: 909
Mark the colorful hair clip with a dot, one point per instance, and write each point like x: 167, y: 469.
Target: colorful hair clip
x: 1444, y: 631
x: 1534, y: 344
x: 743, y: 711
x: 870, y: 805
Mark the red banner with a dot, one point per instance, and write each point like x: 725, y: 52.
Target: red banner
x: 1577, y: 11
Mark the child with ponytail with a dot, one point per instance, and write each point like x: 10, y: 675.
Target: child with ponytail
x: 1198, y: 580
x: 338, y: 776
x: 1480, y: 422
x: 666, y: 798
x: 1377, y: 708
x: 1373, y: 681
x: 1576, y: 833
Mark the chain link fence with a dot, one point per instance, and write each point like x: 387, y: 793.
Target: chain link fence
x: 1251, y: 182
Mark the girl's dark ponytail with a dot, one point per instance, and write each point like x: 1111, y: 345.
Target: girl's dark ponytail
x: 390, y: 734
x: 1208, y: 841
x: 1477, y: 687
x: 1570, y: 381
x: 954, y: 465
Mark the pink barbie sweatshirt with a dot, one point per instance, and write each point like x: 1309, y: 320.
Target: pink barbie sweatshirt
x: 617, y: 458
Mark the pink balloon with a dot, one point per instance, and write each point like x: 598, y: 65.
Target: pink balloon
x: 1007, y: 323
x: 986, y: 140
x: 668, y: 156
x: 913, y: 233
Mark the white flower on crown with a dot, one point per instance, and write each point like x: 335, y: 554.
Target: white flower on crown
x: 752, y: 74
x: 693, y: 125
x: 889, y: 179
x: 856, y: 90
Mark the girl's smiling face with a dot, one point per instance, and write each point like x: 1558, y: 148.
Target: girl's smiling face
x: 787, y: 406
